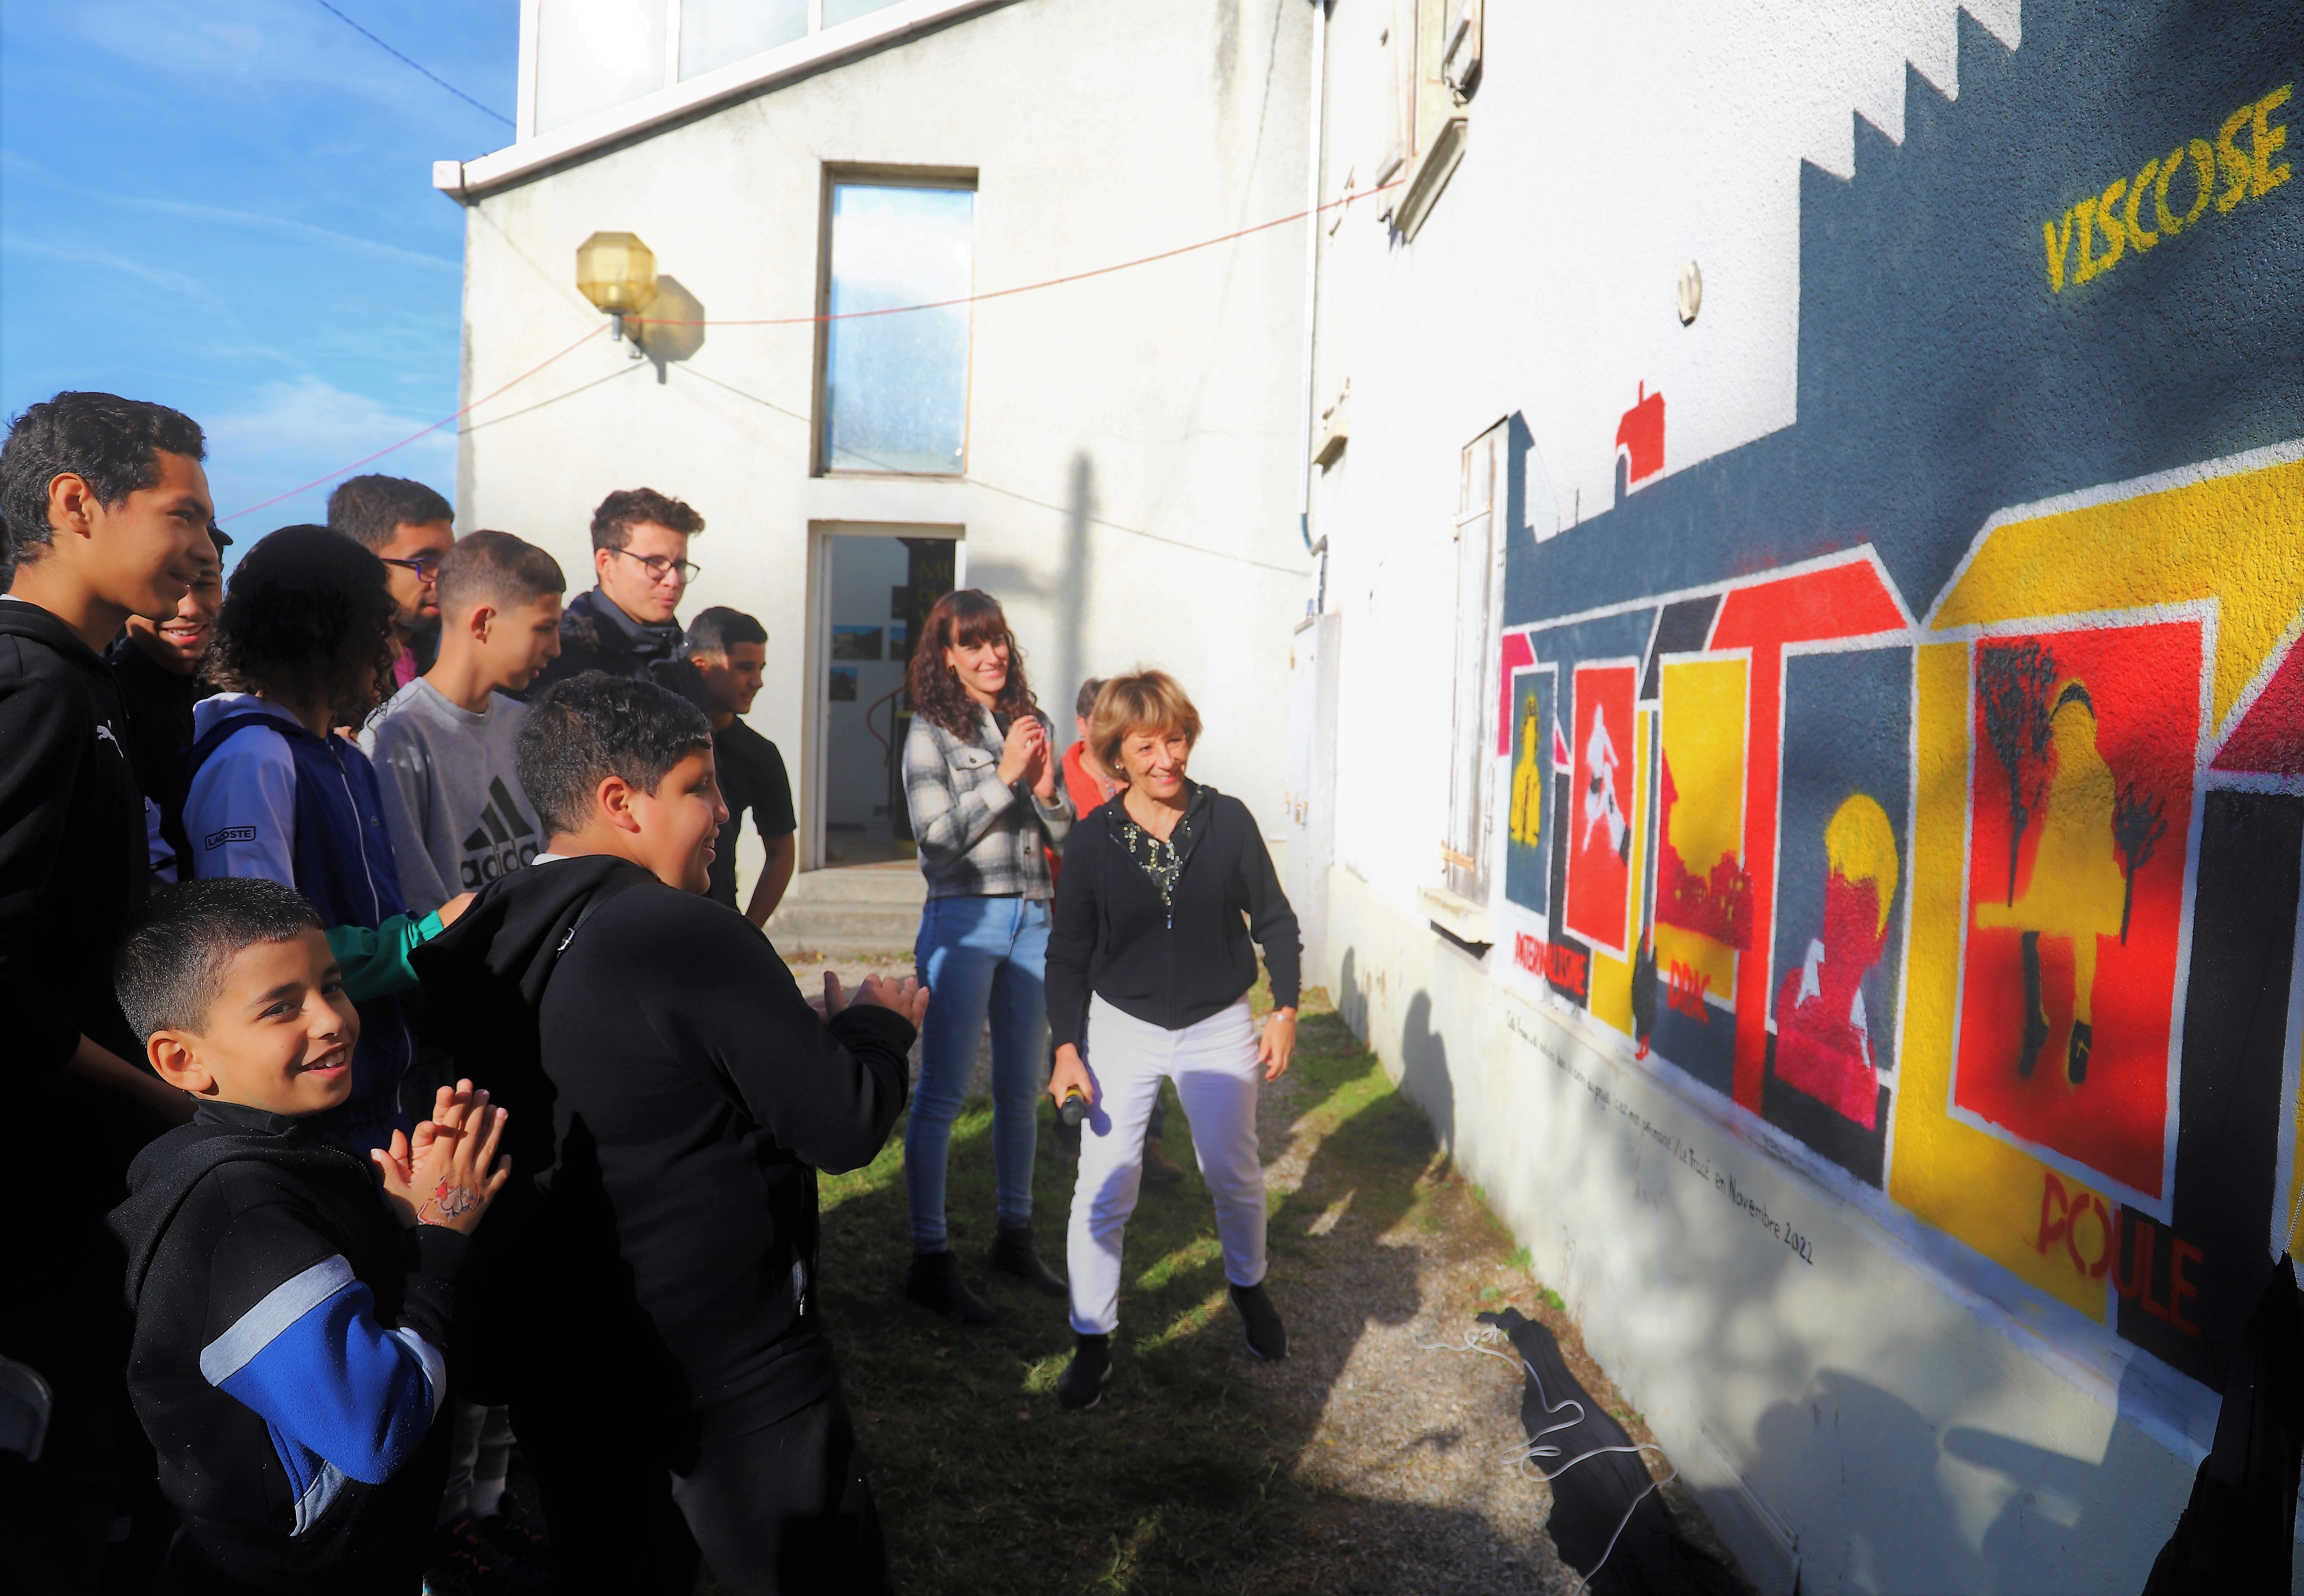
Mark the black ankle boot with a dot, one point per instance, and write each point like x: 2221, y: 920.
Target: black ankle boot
x: 1080, y: 1386
x: 1267, y: 1338
x: 936, y: 1285
x: 1012, y: 1254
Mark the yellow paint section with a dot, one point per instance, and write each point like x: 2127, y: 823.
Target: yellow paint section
x: 1861, y: 846
x: 1704, y: 745
x: 2235, y: 539
x: 1611, y: 978
x: 1971, y: 1186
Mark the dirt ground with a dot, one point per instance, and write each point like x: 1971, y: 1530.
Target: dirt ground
x: 1370, y: 1460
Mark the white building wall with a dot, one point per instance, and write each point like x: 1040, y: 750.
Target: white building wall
x: 1880, y: 1402
x: 1131, y: 492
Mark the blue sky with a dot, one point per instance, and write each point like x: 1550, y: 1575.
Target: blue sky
x: 226, y: 206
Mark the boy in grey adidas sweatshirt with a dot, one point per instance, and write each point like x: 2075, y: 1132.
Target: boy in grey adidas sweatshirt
x: 444, y: 745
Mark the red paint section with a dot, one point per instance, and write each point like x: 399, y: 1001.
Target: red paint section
x: 1718, y: 905
x: 1819, y: 1049
x: 1599, y: 818
x: 1640, y: 436
x: 2076, y: 904
x: 2269, y: 739
x: 1840, y: 601
x: 1518, y: 655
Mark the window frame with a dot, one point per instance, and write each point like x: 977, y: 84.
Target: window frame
x: 835, y: 177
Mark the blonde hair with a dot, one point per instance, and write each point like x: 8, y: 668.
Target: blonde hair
x: 1861, y: 846
x: 1146, y: 701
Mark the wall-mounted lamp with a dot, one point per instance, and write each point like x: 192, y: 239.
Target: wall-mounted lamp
x: 617, y: 273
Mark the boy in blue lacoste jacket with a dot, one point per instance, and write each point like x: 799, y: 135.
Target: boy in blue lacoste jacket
x: 292, y: 1318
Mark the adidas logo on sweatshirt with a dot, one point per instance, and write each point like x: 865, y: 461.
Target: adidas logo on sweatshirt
x: 502, y: 842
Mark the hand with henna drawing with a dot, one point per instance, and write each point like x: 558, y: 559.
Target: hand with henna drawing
x: 448, y: 1172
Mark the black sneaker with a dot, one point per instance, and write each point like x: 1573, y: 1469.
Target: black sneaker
x: 1159, y: 1168
x: 464, y: 1560
x: 1080, y: 1387
x: 1267, y: 1338
x: 936, y: 1285
x: 1012, y: 1253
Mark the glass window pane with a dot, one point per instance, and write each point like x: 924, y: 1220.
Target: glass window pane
x: 896, y: 387
x: 715, y: 32
x: 836, y: 12
x: 595, y: 54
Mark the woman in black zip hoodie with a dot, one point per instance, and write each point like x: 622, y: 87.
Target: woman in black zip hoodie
x: 1149, y: 967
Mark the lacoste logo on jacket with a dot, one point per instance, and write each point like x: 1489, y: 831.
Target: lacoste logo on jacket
x: 501, y: 843
x: 231, y: 833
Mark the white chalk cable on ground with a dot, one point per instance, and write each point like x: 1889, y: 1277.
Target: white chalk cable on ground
x: 1522, y: 1453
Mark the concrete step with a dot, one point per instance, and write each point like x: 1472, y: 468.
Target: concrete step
x: 867, y: 910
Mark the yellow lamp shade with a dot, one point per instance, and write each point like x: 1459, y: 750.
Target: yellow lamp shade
x: 616, y: 272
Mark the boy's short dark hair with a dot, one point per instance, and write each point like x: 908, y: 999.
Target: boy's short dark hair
x: 719, y: 628
x: 113, y: 444
x: 308, y: 603
x: 1084, y: 701
x: 621, y: 511
x: 593, y: 726
x: 496, y: 568
x: 170, y: 966
x: 368, y: 509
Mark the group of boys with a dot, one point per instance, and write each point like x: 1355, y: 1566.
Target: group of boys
x: 255, y: 940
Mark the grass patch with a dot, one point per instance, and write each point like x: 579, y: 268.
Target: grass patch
x: 1179, y: 1482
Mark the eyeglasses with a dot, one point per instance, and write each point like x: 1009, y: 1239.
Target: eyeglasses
x: 425, y: 566
x: 659, y: 567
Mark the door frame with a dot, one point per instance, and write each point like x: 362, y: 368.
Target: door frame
x: 816, y: 724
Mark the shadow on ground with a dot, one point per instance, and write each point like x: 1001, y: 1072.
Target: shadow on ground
x: 1186, y: 1478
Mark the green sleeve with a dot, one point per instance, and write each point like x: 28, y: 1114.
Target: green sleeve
x: 375, y: 963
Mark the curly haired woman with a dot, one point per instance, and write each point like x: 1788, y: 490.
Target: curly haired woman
x: 980, y: 783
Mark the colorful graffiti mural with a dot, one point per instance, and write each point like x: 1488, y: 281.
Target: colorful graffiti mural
x: 1925, y: 780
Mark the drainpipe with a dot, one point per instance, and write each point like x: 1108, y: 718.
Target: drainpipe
x: 1312, y: 292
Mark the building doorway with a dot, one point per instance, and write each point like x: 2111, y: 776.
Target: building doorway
x: 875, y: 584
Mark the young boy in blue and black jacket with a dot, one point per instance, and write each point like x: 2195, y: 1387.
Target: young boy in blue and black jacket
x: 292, y: 1318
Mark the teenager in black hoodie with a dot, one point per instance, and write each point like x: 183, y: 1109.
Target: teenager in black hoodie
x: 652, y: 1312
x: 107, y: 515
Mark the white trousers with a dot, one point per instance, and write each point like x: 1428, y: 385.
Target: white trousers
x: 1214, y: 1066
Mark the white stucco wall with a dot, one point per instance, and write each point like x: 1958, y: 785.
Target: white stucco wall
x: 1131, y: 494
x: 1915, y: 1417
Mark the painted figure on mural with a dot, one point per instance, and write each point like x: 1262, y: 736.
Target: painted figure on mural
x: 1824, y: 1037
x: 1600, y: 806
x: 2078, y: 888
x: 1528, y: 781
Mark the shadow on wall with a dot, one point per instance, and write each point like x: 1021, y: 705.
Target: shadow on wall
x: 674, y: 328
x: 1880, y: 1498
x: 1062, y: 589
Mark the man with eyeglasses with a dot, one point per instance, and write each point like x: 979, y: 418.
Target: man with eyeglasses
x: 627, y: 624
x: 408, y: 526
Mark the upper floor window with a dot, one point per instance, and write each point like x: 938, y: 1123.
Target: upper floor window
x: 592, y: 55
x: 896, y: 387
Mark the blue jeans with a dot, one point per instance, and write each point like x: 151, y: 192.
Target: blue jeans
x: 979, y: 955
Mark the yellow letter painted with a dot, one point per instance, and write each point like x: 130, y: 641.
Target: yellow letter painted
x: 2170, y: 221
x: 2203, y: 179
x: 2056, y: 243
x: 2108, y: 218
x: 2238, y: 168
x: 2084, y: 223
x: 2141, y: 236
x: 2269, y: 138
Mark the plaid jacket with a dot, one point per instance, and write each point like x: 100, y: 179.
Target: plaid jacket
x: 978, y: 837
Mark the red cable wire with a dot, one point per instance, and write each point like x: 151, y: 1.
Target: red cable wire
x: 413, y: 436
x: 1001, y: 293
x: 784, y: 321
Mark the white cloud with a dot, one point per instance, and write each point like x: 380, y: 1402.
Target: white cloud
x: 287, y: 227
x: 295, y: 431
x: 155, y: 276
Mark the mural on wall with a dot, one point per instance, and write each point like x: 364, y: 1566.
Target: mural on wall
x: 1925, y: 779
